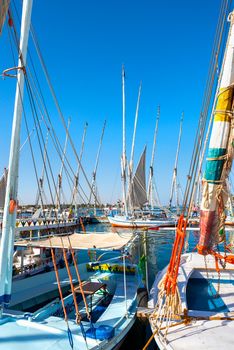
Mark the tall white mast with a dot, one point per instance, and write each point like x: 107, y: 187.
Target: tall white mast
x: 134, y: 135
x: 151, y: 174
x: 76, y: 185
x: 60, y: 175
x: 10, y: 208
x: 124, y: 158
x: 41, y: 179
x: 94, y: 187
x: 174, y: 184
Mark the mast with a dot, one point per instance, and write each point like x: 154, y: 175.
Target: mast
x: 75, y: 190
x: 41, y: 179
x: 219, y: 158
x: 62, y: 166
x: 174, y: 184
x: 10, y: 208
x: 124, y: 158
x: 95, y: 170
x: 134, y: 135
x: 151, y: 174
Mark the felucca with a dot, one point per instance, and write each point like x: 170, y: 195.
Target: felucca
x: 134, y: 213
x: 193, y: 296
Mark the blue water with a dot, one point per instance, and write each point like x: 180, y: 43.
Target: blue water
x: 159, y: 247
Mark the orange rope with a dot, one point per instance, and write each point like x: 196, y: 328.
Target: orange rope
x: 79, y: 279
x: 172, y: 271
x: 58, y: 281
x: 78, y: 318
x: 229, y: 258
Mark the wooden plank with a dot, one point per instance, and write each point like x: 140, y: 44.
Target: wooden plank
x: 90, y: 287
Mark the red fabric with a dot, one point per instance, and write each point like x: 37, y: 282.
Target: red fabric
x: 209, y: 221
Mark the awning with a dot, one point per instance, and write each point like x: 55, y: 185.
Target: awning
x: 110, y: 240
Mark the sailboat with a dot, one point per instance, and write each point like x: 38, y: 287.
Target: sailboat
x: 39, y: 222
x: 192, y: 298
x: 134, y: 215
x: 97, y: 312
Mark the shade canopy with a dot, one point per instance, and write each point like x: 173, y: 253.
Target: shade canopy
x: 110, y: 240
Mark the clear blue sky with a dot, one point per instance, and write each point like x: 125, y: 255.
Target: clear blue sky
x: 165, y: 44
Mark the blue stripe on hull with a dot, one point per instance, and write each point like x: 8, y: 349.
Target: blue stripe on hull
x: 214, y: 168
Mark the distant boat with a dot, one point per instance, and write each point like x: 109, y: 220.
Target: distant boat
x: 37, y: 222
x: 140, y: 216
x: 133, y: 214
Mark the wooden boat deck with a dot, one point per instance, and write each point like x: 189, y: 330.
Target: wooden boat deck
x: 201, y: 333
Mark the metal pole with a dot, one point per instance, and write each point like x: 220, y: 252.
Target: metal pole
x: 9, y: 216
x: 41, y: 180
x: 174, y: 178
x: 146, y: 262
x: 94, y: 187
x: 151, y: 174
x: 76, y: 182
x: 124, y: 158
x: 62, y: 166
x: 125, y: 284
x: 134, y: 135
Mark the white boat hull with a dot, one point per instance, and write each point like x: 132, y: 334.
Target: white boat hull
x: 122, y: 221
x: 200, y: 333
x: 47, y: 329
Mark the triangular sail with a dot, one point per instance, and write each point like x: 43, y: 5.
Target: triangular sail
x: 137, y: 191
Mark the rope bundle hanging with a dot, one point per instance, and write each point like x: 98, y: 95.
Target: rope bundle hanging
x: 168, y: 303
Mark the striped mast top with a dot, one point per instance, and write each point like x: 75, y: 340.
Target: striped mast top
x: 220, y: 155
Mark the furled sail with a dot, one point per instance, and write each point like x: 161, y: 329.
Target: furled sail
x: 3, y: 182
x: 4, y: 4
x: 220, y: 156
x: 137, y: 190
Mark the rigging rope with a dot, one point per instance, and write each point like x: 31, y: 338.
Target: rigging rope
x: 169, y: 303
x: 38, y: 96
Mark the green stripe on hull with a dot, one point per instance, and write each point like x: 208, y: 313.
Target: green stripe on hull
x: 214, y: 167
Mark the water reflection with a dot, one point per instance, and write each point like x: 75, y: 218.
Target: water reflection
x: 158, y: 244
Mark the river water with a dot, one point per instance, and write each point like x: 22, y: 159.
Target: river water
x: 158, y: 248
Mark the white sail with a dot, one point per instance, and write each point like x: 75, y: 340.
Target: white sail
x: 137, y: 191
